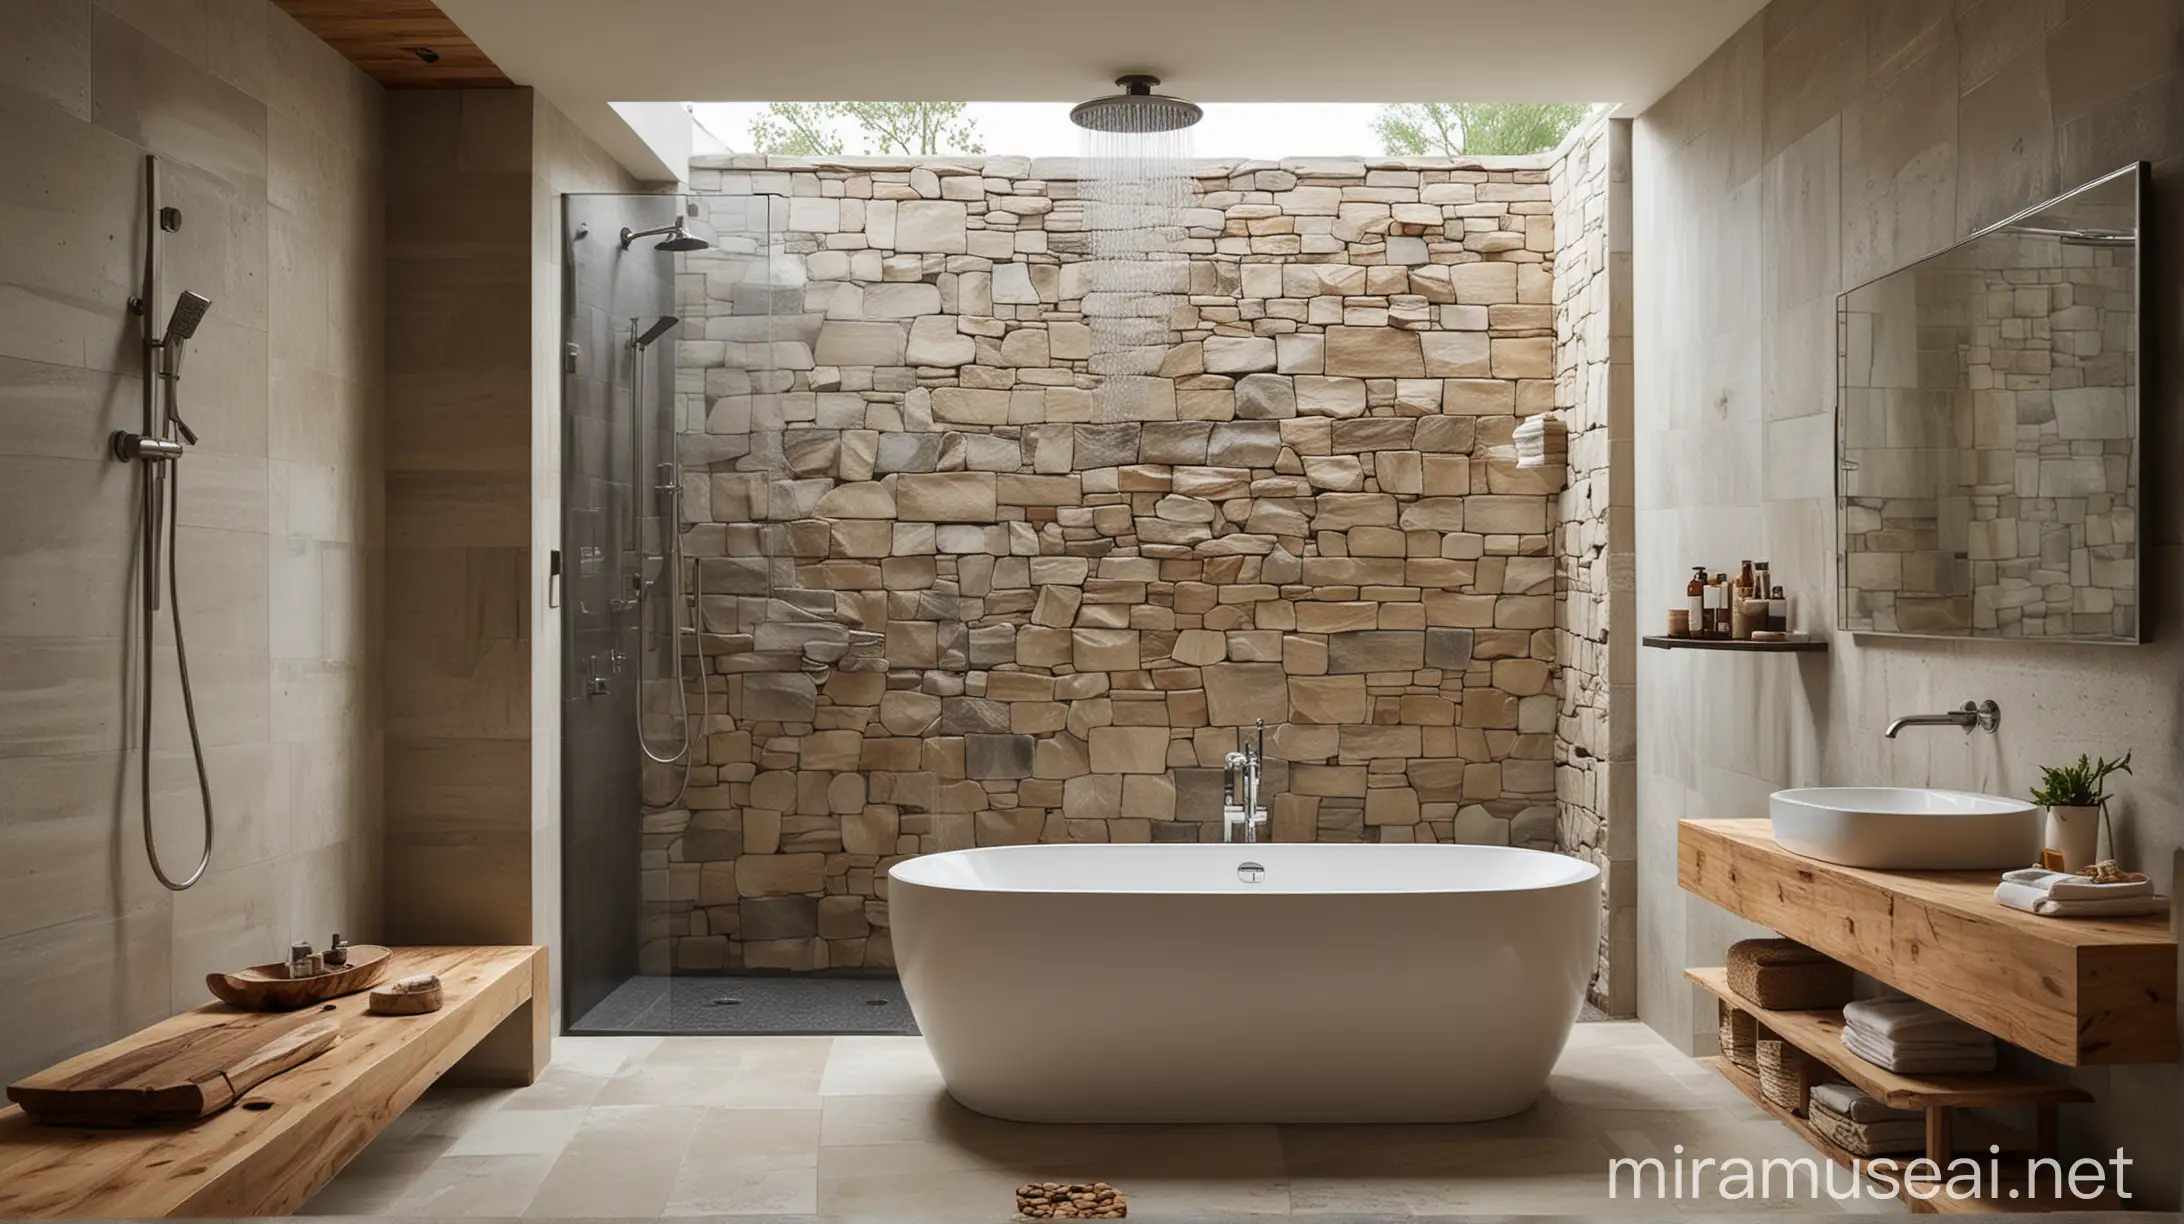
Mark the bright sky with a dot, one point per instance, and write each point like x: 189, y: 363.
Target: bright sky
x: 1042, y: 129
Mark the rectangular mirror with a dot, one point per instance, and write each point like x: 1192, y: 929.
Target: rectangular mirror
x: 1987, y: 430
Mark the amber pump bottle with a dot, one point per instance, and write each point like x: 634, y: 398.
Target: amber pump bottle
x: 1695, y: 602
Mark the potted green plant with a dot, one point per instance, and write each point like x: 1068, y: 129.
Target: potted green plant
x: 2076, y: 799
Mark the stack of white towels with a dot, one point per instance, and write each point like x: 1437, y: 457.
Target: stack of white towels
x: 2059, y: 894
x: 1906, y: 1036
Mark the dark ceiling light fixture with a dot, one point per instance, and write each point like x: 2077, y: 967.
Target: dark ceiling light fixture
x: 426, y: 54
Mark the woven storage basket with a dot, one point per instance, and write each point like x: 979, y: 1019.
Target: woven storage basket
x: 1739, y: 1036
x: 1786, y: 975
x: 1787, y: 1074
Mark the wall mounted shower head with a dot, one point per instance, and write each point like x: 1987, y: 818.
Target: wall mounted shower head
x: 678, y: 238
x: 189, y: 311
x: 1136, y: 109
x: 644, y: 339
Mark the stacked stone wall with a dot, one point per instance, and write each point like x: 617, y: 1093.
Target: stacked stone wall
x: 949, y: 601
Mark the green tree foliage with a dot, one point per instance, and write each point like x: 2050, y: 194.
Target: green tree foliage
x: 797, y: 129
x: 1450, y: 129
x: 901, y: 129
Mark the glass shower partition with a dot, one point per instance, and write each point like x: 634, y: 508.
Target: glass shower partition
x: 659, y: 556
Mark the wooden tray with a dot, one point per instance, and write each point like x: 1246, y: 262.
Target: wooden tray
x: 269, y: 988
x: 179, y: 1079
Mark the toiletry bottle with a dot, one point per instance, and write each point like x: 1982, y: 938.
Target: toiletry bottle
x: 1710, y: 596
x: 1762, y: 579
x: 1744, y: 581
x: 1695, y: 602
x: 1778, y: 611
x: 300, y: 957
x: 337, y: 953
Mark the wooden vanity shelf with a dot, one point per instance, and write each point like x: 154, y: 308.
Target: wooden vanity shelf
x: 2075, y: 991
x: 1819, y: 1035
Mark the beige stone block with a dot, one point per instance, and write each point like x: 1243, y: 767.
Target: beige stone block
x: 971, y: 406
x: 1376, y: 650
x: 1149, y: 796
x: 934, y: 341
x: 1198, y: 647
x: 860, y: 500
x: 1438, y: 514
x: 908, y: 712
x: 1523, y: 677
x: 1094, y: 797
x: 1391, y: 805
x: 1456, y: 354
x: 1239, y: 693
x: 1337, y: 617
x: 1238, y: 354
x: 1478, y: 397
x: 1328, y: 781
x: 1017, y: 490
x: 1524, y: 357
x: 830, y: 750
x: 946, y: 497
x: 1374, y: 352
x: 1337, y: 511
x: 1304, y: 656
x: 775, y: 875
x: 1484, y: 283
x: 931, y: 225
x: 1489, y: 514
x: 871, y: 830
x: 1300, y: 353
x: 1329, y: 700
x: 1105, y: 650
x: 1122, y: 750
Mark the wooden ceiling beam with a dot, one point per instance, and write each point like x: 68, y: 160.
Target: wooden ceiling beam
x: 402, y: 44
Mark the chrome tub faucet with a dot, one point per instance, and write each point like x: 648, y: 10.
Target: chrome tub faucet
x: 1241, y: 819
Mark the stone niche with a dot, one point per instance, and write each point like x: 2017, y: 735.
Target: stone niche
x: 953, y: 596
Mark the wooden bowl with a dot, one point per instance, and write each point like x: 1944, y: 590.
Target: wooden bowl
x: 269, y: 988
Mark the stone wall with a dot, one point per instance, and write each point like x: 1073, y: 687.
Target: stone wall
x: 1596, y: 748
x: 951, y: 602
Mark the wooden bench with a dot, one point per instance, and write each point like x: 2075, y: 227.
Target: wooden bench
x: 290, y: 1135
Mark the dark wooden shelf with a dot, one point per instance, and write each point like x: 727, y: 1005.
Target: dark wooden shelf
x: 1662, y: 642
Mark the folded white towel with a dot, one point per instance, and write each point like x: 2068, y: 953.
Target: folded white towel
x: 2063, y: 886
x: 1858, y: 1105
x: 1903, y: 1018
x: 1918, y: 1062
x: 2034, y: 900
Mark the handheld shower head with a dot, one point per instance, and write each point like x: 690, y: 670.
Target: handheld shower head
x: 644, y: 339
x: 189, y: 311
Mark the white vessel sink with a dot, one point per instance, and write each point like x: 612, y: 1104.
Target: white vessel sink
x: 1906, y: 828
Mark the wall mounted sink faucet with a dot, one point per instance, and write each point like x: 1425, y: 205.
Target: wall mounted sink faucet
x: 1985, y: 715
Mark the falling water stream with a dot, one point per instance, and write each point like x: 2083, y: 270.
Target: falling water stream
x: 1137, y: 184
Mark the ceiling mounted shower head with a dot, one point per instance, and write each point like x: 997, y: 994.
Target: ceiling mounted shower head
x: 1136, y: 109
x: 678, y: 238
x: 654, y: 332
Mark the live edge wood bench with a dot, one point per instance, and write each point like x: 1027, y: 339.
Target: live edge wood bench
x: 290, y: 1135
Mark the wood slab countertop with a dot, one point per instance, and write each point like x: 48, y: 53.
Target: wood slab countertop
x: 290, y: 1134
x: 2077, y: 991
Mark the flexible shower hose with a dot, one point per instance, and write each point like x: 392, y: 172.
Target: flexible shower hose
x: 671, y: 556
x: 151, y: 536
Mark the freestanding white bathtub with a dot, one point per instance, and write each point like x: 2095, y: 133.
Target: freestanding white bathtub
x: 1155, y: 983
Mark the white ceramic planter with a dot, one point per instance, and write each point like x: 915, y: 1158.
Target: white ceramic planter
x: 2074, y: 833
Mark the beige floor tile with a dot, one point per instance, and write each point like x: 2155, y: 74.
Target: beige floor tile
x: 481, y: 1186
x: 892, y: 1185
x: 750, y: 1162
x: 622, y: 1161
x: 519, y: 1132
x: 880, y: 1066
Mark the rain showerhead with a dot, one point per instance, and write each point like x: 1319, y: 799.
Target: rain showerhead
x: 645, y: 338
x: 678, y: 238
x: 189, y: 311
x: 1136, y: 109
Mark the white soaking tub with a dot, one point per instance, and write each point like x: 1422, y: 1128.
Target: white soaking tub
x: 1153, y: 983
